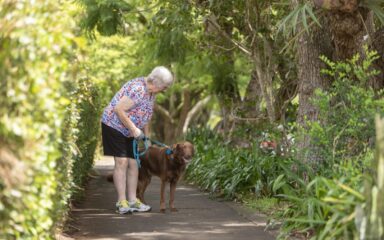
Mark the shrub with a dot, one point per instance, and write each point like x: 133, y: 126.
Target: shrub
x: 39, y: 119
x: 220, y: 167
x: 344, y: 135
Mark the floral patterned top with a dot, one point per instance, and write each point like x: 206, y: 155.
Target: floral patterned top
x: 140, y: 113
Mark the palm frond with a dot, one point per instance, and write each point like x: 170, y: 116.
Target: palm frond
x: 377, y: 7
x: 299, y: 15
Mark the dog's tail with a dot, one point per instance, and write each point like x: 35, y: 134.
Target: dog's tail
x: 110, y: 177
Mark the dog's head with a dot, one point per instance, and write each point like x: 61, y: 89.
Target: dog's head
x: 183, y: 152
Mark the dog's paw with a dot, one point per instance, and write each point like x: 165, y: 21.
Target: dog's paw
x: 174, y: 210
x: 162, y: 210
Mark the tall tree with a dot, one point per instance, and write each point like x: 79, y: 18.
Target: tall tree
x: 343, y: 27
x: 309, y: 48
x: 349, y: 22
x: 253, y: 34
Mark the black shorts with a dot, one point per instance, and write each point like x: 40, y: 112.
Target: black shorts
x: 115, y: 143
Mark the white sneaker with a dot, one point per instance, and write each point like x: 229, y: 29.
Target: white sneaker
x: 138, y: 206
x: 122, y: 207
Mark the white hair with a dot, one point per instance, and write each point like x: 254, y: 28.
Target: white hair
x: 160, y: 77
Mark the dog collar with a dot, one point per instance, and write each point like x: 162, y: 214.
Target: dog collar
x: 168, y: 151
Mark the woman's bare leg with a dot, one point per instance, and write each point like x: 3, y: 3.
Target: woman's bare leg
x: 133, y: 174
x: 120, y: 177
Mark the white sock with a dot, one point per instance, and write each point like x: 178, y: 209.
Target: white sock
x: 131, y: 202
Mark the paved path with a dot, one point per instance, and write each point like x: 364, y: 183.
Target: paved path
x: 199, y: 217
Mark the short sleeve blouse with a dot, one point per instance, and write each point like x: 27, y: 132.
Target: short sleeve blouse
x: 140, y: 113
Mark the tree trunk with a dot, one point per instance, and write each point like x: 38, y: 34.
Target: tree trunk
x: 348, y: 30
x: 264, y: 75
x: 310, y: 48
x: 349, y: 23
x: 284, y: 96
x: 186, y: 107
x: 251, y: 105
x: 200, y: 105
x: 230, y: 92
x: 377, y: 83
x: 224, y: 79
x: 226, y: 91
x: 169, y: 122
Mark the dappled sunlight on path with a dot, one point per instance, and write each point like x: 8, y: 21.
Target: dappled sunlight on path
x: 198, y: 217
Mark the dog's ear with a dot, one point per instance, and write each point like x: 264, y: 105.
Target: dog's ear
x: 180, y: 146
x: 174, y: 146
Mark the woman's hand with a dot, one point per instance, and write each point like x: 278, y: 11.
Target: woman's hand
x: 137, y: 133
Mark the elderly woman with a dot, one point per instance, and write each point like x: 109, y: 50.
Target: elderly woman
x: 124, y: 119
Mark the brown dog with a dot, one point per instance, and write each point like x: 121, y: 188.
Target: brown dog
x: 168, y: 166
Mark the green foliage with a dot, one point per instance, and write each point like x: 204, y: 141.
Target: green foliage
x: 323, y: 207
x: 377, y: 7
x: 33, y: 70
x: 347, y: 109
x: 266, y: 205
x: 304, y: 16
x: 224, y: 77
x: 298, y: 16
x: 49, y: 115
x: 228, y: 170
x: 88, y: 100
x: 104, y: 15
x: 325, y: 204
x: 170, y: 36
x: 343, y: 135
x: 109, y: 62
x: 38, y: 122
x: 371, y: 223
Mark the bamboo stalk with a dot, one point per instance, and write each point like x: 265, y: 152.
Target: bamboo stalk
x: 375, y: 192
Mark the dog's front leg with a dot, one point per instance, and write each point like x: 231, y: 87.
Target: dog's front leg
x: 172, y: 189
x: 162, y: 198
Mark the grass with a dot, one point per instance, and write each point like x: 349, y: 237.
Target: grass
x: 267, y: 205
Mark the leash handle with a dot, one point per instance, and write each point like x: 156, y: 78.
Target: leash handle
x: 136, y: 152
x: 141, y: 136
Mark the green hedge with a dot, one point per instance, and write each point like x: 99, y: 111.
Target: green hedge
x: 48, y: 118
x: 89, y: 104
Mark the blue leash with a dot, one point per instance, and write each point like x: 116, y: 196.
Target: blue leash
x: 168, y: 151
x: 137, y: 153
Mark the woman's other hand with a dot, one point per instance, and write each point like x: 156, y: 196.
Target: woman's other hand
x: 124, y: 105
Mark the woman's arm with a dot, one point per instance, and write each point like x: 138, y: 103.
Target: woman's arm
x: 121, y: 107
x: 146, y: 133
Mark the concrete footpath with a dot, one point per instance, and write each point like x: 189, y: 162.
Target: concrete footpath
x: 199, y: 217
